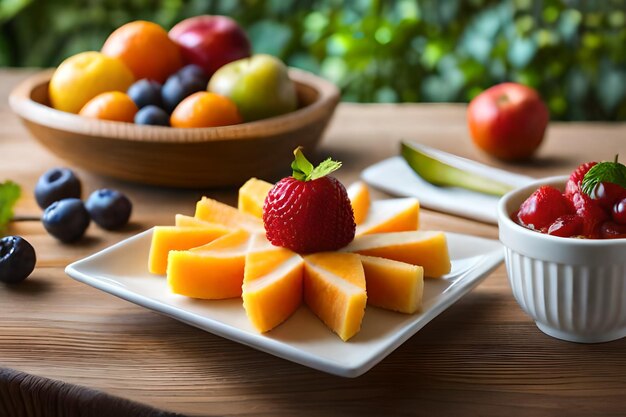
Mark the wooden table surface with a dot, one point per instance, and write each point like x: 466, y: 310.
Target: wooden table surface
x: 481, y: 357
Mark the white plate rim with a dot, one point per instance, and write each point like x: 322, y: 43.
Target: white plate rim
x: 470, y: 278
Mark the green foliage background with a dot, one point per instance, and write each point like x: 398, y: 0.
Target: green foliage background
x: 573, y: 52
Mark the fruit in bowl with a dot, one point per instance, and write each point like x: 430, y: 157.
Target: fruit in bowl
x: 591, y: 206
x: 211, y: 41
x: 259, y: 85
x: 215, y: 49
x: 147, y: 149
x: 571, y: 287
x: 82, y: 77
x: 146, y: 49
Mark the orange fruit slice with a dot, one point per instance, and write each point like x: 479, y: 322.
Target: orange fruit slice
x: 393, y: 285
x: 392, y: 215
x: 272, y: 284
x: 83, y: 76
x: 334, y: 289
x: 424, y: 248
x: 213, y: 271
x: 203, y: 109
x: 213, y: 211
x: 359, y: 195
x: 112, y: 105
x: 167, y: 238
x: 252, y: 196
x: 181, y: 220
x: 146, y: 49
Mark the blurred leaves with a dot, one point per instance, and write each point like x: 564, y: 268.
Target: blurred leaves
x: 572, y: 51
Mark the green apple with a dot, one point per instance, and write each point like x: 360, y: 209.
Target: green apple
x: 260, y: 86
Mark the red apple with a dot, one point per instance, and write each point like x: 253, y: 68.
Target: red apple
x: 211, y: 41
x: 508, y: 121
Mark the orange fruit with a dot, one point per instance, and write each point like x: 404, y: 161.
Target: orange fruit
x: 213, y: 211
x: 392, y: 215
x: 146, y: 49
x: 83, y: 76
x: 112, y: 105
x: 252, y: 196
x: 335, y: 290
x: 203, y: 109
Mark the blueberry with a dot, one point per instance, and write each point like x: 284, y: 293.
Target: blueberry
x: 56, y: 184
x: 193, y: 71
x: 152, y: 115
x: 66, y: 219
x: 17, y: 259
x: 178, y: 87
x: 145, y: 93
x: 110, y: 209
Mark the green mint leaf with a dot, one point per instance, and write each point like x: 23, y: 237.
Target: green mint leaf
x: 301, y: 166
x: 325, y: 168
x: 303, y: 170
x: 614, y: 172
x: 9, y: 194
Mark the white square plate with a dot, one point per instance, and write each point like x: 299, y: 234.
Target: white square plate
x: 121, y: 270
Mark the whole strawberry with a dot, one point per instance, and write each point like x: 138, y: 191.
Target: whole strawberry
x: 309, y: 211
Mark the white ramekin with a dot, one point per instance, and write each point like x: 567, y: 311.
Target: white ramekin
x: 574, y: 289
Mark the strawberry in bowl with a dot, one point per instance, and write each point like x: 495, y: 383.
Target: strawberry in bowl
x: 572, y: 288
x: 592, y: 206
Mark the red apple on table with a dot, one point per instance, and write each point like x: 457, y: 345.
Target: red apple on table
x: 508, y: 121
x: 211, y: 41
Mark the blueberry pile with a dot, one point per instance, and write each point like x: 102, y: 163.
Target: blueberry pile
x: 65, y: 215
x: 156, y: 101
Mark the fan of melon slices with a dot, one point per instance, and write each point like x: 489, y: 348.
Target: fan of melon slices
x: 223, y: 252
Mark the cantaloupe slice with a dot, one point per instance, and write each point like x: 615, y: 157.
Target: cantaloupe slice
x: 167, y: 238
x: 393, y: 285
x: 272, y: 284
x: 392, y: 215
x: 182, y: 220
x: 213, y: 211
x: 252, y: 196
x: 212, y: 271
x: 359, y: 196
x: 424, y: 248
x: 334, y: 289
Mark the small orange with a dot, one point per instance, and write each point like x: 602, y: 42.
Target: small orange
x: 112, y: 105
x: 203, y: 109
x: 146, y: 49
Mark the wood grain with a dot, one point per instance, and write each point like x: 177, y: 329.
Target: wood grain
x: 482, y: 357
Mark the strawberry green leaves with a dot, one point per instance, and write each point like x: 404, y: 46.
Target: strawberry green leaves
x: 613, y: 172
x: 303, y: 170
x: 9, y: 194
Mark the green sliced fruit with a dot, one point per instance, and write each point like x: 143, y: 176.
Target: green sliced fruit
x: 434, y: 169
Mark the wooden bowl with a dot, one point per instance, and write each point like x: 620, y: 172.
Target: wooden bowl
x: 190, y: 158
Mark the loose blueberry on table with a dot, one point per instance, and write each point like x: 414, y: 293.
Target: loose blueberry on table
x: 17, y: 259
x: 109, y: 209
x: 56, y: 184
x: 66, y: 219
